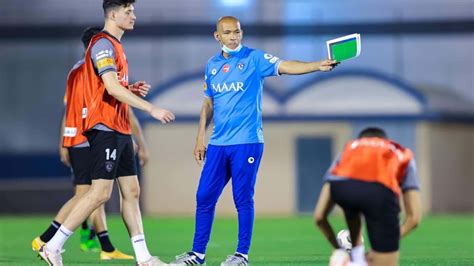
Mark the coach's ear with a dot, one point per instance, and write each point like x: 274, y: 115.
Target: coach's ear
x: 216, y: 37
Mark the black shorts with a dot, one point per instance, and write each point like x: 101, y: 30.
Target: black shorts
x: 112, y: 154
x: 81, y: 165
x: 380, y: 208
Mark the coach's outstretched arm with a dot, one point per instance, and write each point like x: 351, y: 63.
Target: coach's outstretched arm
x: 207, y: 112
x: 116, y: 90
x: 299, y: 67
x: 412, y: 202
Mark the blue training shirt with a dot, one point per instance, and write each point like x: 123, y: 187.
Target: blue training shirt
x: 235, y: 85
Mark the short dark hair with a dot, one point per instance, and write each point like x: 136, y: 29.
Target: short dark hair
x: 372, y: 132
x: 88, y: 34
x: 108, y: 4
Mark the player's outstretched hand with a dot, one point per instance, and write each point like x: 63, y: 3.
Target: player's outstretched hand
x: 199, y: 152
x: 163, y: 115
x: 140, y: 88
x: 327, y: 65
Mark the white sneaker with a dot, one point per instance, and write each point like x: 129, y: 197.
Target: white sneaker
x: 52, y: 258
x: 188, y: 258
x: 153, y: 261
x: 235, y: 260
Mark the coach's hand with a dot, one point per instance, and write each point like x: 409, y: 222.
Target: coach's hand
x: 163, y: 115
x: 140, y: 88
x: 64, y: 156
x: 199, y: 152
x: 327, y: 65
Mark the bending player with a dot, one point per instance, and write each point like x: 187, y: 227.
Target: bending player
x: 366, y: 180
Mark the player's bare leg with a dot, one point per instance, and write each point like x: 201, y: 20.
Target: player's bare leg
x: 79, y: 191
x: 109, y: 252
x: 383, y: 258
x: 98, y: 194
x: 87, y: 240
x: 98, y: 219
x: 130, y: 192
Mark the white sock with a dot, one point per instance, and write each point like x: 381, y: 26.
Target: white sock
x: 199, y: 255
x: 139, y: 246
x: 57, y: 242
x: 246, y: 256
x: 358, y: 255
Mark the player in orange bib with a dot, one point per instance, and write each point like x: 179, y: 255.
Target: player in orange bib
x: 367, y: 179
x: 107, y: 96
x: 75, y: 153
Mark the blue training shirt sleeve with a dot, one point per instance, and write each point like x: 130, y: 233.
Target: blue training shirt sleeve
x: 102, y: 54
x: 267, y: 64
x: 411, y: 177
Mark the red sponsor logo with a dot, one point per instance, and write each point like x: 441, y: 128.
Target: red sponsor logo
x: 226, y: 68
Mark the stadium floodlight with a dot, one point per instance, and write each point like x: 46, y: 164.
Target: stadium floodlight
x: 235, y: 3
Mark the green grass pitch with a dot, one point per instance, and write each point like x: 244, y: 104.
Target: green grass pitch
x: 439, y: 240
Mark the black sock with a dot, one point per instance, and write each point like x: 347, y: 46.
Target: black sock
x: 84, y: 225
x: 92, y: 233
x: 105, y: 241
x: 49, y: 233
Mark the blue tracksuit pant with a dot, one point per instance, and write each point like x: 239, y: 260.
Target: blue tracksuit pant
x: 239, y: 162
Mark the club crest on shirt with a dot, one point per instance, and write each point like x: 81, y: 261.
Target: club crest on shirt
x: 109, y: 166
x: 240, y: 66
x: 267, y: 56
x: 226, y: 68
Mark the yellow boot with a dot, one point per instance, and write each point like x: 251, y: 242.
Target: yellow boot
x: 115, y: 255
x: 36, y: 244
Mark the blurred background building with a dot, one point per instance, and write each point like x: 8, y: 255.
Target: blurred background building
x: 414, y: 77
